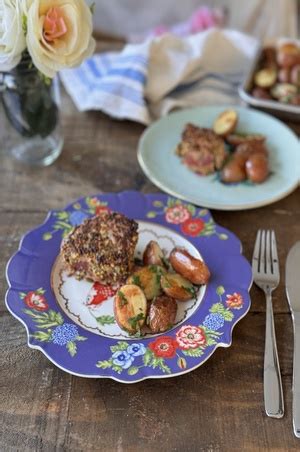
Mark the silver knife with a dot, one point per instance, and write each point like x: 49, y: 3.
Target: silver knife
x: 292, y: 281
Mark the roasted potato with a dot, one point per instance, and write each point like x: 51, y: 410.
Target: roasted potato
x: 148, y: 279
x: 261, y: 93
x: 225, y: 123
x: 288, y: 55
x: 176, y: 286
x: 189, y: 267
x: 162, y: 314
x: 295, y: 75
x: 265, y: 78
x: 284, y: 75
x: 237, y: 139
x: 153, y: 254
x: 130, y: 308
x: 233, y: 171
x: 282, y: 90
x: 257, y: 168
x: 295, y: 100
x: 243, y: 151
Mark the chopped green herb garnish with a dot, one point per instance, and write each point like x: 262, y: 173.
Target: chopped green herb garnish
x: 133, y: 321
x: 191, y: 290
x: 136, y: 280
x: 166, y: 262
x: 123, y: 299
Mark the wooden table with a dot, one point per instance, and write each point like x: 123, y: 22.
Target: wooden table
x: 217, y: 407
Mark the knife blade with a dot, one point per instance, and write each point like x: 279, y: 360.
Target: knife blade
x: 292, y: 281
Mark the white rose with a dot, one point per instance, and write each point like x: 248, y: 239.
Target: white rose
x: 12, y: 38
x: 59, y: 34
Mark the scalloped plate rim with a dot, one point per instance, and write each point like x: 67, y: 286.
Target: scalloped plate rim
x: 92, y: 376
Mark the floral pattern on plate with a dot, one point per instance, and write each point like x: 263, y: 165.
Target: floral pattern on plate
x: 80, y: 352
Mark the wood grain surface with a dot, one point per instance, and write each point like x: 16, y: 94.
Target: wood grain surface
x: 218, y: 407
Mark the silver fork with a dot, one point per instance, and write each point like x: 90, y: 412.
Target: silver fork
x: 266, y: 276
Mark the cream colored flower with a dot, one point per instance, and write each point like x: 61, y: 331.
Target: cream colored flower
x: 59, y: 33
x: 12, y: 38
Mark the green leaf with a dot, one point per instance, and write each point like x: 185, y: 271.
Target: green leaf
x: 123, y: 299
x: 22, y: 295
x: 62, y: 215
x: 47, y: 236
x: 24, y: 24
x: 220, y: 290
x: 171, y: 202
x: 106, y: 320
x: 191, y: 209
x: 217, y: 307
x: 40, y: 291
x: 147, y: 358
x: 223, y: 236
x: 193, y: 352
x: 116, y: 368
x: 210, y: 340
x: 80, y: 338
x: 228, y: 315
x: 202, y: 212
x: 72, y: 348
x: 55, y: 317
x: 158, y: 204
x: 77, y: 206
x: 119, y: 347
x: 104, y: 364
x: 151, y: 214
x: 132, y: 370
x: 42, y: 336
x: 134, y: 321
x: 206, y: 233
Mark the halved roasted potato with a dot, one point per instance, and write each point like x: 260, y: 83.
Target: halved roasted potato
x: 233, y: 171
x: 130, y: 308
x: 225, y: 123
x: 189, y: 267
x: 162, y: 314
x: 176, y: 286
x: 148, y: 279
x: 265, y: 78
x: 236, y: 139
x: 281, y: 90
x: 153, y: 254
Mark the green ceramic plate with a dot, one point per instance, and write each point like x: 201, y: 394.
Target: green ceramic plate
x: 158, y: 160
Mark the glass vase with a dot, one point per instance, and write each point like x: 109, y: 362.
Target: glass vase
x: 31, y: 119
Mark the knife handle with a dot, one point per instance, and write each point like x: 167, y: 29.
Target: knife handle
x: 273, y: 395
x: 296, y: 375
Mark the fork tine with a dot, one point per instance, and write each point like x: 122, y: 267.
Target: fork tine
x: 268, y: 264
x: 256, y: 252
x: 263, y: 252
x: 274, y: 254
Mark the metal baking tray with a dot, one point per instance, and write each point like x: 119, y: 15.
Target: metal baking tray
x: 284, y: 111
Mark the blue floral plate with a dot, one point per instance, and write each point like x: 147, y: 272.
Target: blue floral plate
x: 156, y: 155
x: 72, y: 321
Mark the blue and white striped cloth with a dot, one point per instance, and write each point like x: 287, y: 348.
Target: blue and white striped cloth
x: 146, y: 81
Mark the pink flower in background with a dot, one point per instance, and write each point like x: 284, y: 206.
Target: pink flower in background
x: 234, y: 301
x: 177, y: 214
x: 190, y: 337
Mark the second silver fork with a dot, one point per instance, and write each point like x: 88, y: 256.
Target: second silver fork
x: 266, y: 276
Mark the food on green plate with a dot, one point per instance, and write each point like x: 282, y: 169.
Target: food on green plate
x: 176, y: 286
x: 225, y: 123
x: 257, y: 168
x: 201, y: 150
x: 233, y: 172
x: 191, y: 268
x: 130, y: 308
x: 265, y: 78
x: 237, y: 139
x: 148, y: 279
x: 153, y: 254
x: 162, y: 314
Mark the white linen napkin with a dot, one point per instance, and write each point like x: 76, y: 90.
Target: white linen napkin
x: 146, y: 81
